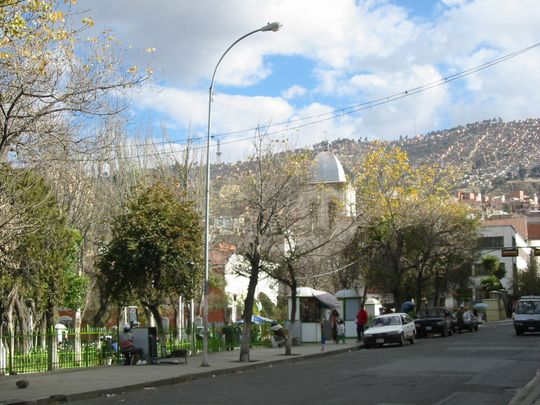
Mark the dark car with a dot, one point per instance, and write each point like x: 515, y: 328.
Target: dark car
x: 470, y: 322
x: 436, y: 320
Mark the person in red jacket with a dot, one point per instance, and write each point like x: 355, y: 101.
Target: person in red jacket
x: 361, y: 322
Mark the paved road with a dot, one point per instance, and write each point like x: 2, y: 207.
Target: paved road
x: 484, y: 367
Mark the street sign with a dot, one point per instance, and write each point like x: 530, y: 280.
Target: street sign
x: 509, y: 252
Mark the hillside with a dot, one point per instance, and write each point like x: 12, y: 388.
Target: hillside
x: 493, y: 155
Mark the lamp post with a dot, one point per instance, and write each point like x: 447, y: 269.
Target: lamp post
x: 275, y: 26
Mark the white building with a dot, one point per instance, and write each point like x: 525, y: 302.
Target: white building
x: 493, y: 239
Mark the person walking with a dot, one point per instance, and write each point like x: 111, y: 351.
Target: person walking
x: 459, y: 318
x: 334, y: 318
x: 361, y: 322
x: 228, y: 333
x: 341, y: 331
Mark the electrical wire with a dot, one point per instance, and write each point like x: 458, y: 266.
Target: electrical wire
x: 312, y: 119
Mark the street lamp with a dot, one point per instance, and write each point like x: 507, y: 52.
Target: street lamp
x: 275, y: 26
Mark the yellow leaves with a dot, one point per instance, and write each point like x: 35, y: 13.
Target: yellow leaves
x: 133, y: 69
x: 61, y: 35
x: 150, y: 50
x: 88, y: 21
x: 56, y: 16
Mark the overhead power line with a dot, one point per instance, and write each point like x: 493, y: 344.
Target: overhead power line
x: 302, y: 122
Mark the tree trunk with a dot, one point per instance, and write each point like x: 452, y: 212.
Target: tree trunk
x: 419, y: 286
x: 22, y: 315
x: 78, y: 345
x: 52, y: 341
x: 11, y: 332
x: 396, y: 293
x: 292, y: 323
x: 437, y: 287
x: 248, y: 310
x: 162, y: 340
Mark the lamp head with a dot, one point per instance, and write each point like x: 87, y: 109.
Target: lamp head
x: 275, y: 26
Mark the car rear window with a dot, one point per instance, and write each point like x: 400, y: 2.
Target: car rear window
x: 430, y: 312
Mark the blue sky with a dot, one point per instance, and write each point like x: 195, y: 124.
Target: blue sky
x: 328, y: 55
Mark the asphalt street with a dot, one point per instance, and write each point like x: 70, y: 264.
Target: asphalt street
x: 484, y: 367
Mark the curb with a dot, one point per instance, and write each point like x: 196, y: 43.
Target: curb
x: 529, y: 393
x: 55, y: 399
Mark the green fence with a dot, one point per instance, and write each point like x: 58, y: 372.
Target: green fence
x: 39, y: 352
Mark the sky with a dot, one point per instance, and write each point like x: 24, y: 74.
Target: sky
x: 335, y: 69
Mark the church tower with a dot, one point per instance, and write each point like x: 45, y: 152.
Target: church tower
x: 330, y: 193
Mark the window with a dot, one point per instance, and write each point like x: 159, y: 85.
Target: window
x: 528, y: 307
x: 491, y: 242
x: 310, y: 310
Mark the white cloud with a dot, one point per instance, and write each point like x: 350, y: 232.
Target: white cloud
x: 358, y: 51
x: 293, y: 92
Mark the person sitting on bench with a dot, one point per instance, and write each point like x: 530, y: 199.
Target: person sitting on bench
x: 132, y: 354
x: 278, y: 334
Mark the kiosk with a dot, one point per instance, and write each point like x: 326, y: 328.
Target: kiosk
x: 312, y: 308
x: 146, y: 339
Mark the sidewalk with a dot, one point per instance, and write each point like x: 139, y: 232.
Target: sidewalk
x: 79, y: 384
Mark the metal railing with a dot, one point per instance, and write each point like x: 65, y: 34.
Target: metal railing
x: 65, y: 349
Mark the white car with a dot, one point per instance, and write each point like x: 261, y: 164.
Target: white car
x: 390, y: 328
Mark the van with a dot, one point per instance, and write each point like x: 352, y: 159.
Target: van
x: 526, y: 317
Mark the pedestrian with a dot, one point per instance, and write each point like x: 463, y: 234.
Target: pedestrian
x: 408, y: 305
x: 228, y: 333
x: 341, y: 331
x: 459, y: 318
x: 132, y: 353
x: 334, y: 318
x: 361, y: 322
x: 323, y: 338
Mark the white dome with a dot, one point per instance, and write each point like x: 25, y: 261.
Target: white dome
x: 327, y: 169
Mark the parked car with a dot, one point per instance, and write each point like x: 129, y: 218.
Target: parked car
x: 526, y: 317
x: 436, y: 320
x: 390, y: 328
x: 470, y: 322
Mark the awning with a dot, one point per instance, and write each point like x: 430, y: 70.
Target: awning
x: 257, y: 320
x: 327, y: 299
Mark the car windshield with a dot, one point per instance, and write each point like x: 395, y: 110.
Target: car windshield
x: 528, y: 307
x: 387, y: 320
x: 430, y: 312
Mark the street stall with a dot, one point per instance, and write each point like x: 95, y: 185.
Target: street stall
x: 350, y: 301
x: 312, y: 308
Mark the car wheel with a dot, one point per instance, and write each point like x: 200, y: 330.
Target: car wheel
x: 519, y: 332
x: 413, y: 338
x: 444, y: 332
x: 402, y: 339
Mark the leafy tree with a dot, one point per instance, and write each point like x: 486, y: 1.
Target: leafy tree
x: 283, y: 229
x: 529, y: 280
x: 270, y: 193
x: 51, y: 73
x: 490, y: 283
x: 410, y: 223
x: 155, y: 251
